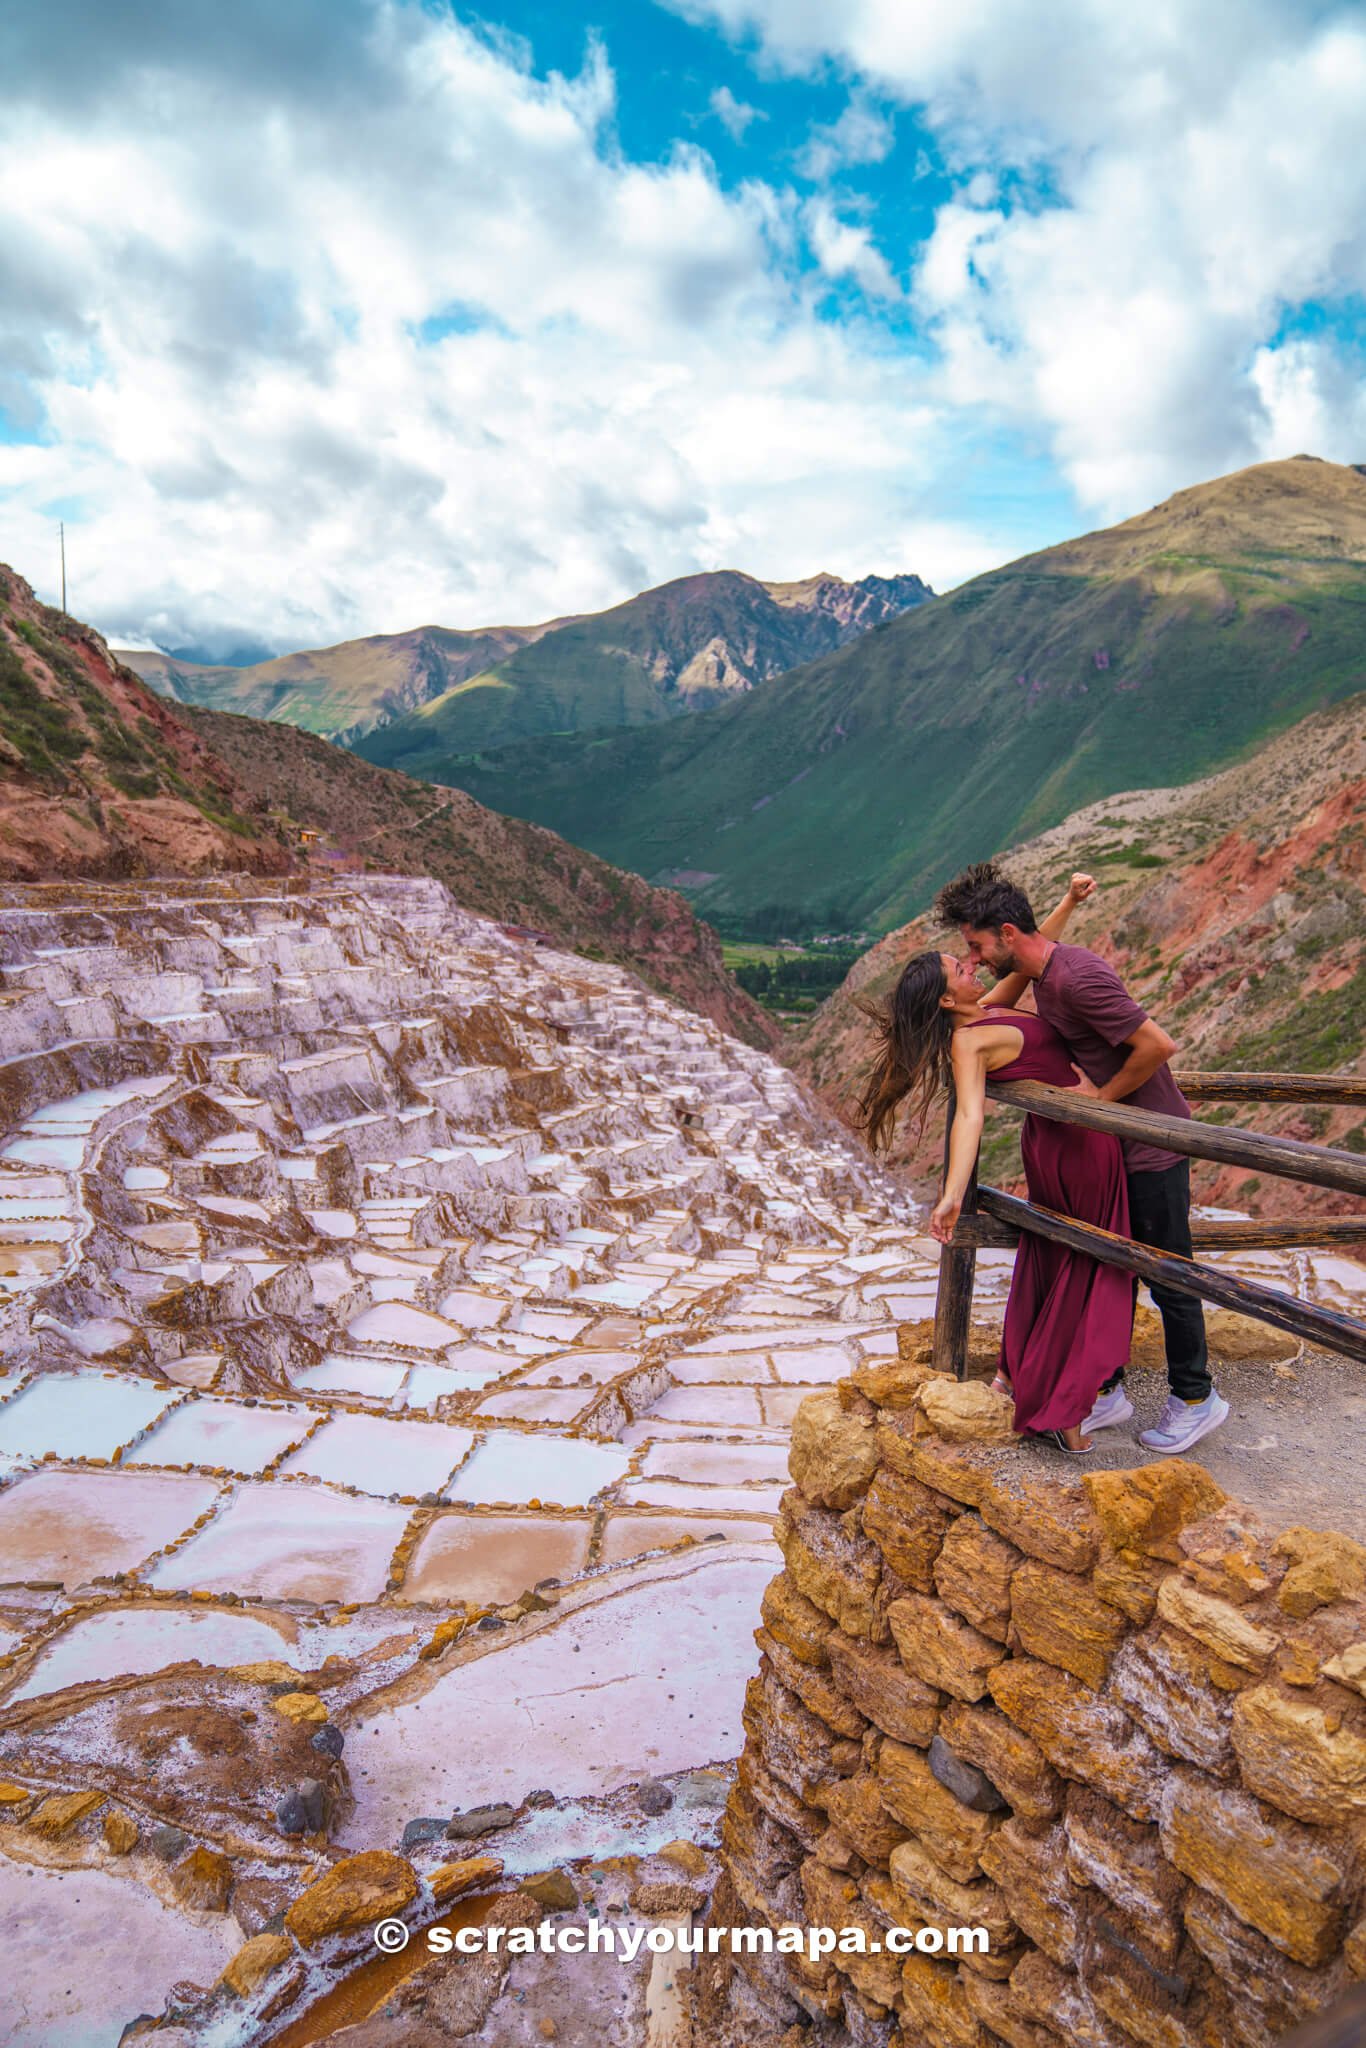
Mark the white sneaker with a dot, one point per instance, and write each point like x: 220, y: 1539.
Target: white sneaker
x: 1111, y: 1408
x: 1183, y: 1423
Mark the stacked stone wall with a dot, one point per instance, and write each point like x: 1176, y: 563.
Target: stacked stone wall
x: 1111, y: 1718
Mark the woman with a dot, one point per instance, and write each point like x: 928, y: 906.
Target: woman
x: 1068, y: 1318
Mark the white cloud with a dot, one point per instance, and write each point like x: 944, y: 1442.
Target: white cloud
x: 217, y: 300
x: 863, y: 134
x: 736, y: 116
x: 846, y: 249
x: 1144, y: 193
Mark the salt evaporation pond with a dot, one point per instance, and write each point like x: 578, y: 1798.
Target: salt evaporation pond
x: 657, y: 1686
x: 133, y: 1640
x: 562, y: 1472
x: 80, y: 1415
x: 381, y: 1456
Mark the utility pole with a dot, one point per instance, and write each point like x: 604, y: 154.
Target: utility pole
x: 61, y: 528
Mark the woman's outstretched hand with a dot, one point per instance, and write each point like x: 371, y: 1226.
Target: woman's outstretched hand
x: 943, y: 1217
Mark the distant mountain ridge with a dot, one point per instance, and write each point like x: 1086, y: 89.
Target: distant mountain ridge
x: 101, y: 778
x: 1149, y: 652
x: 691, y: 643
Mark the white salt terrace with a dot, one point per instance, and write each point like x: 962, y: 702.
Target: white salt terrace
x: 320, y: 1332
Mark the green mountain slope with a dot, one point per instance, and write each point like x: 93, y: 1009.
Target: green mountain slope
x: 700, y: 641
x: 339, y: 691
x: 1145, y: 654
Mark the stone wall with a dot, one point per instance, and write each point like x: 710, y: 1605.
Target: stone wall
x: 1110, y: 1718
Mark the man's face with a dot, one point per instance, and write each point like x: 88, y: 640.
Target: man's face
x: 987, y: 948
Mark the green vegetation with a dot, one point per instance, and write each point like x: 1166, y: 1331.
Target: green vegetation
x: 40, y: 729
x: 1323, y: 1031
x: 969, y: 724
x: 793, y: 982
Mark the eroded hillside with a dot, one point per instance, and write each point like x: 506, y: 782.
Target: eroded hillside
x: 97, y: 774
x: 1233, y: 907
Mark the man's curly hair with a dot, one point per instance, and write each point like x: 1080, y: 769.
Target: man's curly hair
x: 982, y: 898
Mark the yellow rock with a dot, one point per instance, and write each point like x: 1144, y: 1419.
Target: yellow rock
x: 881, y: 1687
x: 940, y: 1901
x: 1348, y: 1668
x: 61, y: 1810
x: 1046, y: 1516
x: 1016, y: 1766
x: 375, y: 1885
x: 839, y: 1571
x: 797, y: 1622
x: 12, y: 1794
x: 300, y: 1706
x: 953, y: 1833
x: 937, y: 2004
x: 832, y: 1454
x: 1144, y: 1511
x: 1354, y: 1950
x: 1289, y: 1882
x: 1308, y: 1761
x: 452, y: 1880
x: 1227, y: 1630
x: 685, y: 1856
x: 1043, y: 1901
x: 856, y: 1811
x: 1082, y: 1736
x: 203, y: 1880
x: 1325, y: 1568
x: 120, y: 1831
x: 967, y: 1412
x: 1128, y: 1582
x: 251, y: 1965
x: 972, y: 1573
x: 940, y: 1649
x: 907, y: 1522
x: 443, y: 1635
x: 270, y: 1672
x: 890, y: 1383
x: 1057, y: 1617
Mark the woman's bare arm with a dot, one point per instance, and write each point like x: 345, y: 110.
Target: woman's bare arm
x: 969, y: 1057
x: 1011, y: 987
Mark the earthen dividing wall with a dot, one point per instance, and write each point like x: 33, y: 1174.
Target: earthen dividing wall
x: 1109, y: 1718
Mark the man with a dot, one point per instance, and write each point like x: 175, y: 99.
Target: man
x: 1124, y: 1055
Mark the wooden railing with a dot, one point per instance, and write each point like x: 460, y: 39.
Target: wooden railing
x: 991, y: 1218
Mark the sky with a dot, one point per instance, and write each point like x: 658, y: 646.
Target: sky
x: 329, y: 317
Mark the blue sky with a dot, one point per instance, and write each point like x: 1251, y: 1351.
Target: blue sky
x: 325, y: 317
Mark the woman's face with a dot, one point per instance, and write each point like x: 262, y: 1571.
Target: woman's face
x: 961, y: 985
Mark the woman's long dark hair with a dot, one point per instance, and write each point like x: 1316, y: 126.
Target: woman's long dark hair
x: 913, y: 1058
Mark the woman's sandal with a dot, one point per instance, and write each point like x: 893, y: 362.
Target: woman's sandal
x: 1060, y: 1443
x: 1001, y: 1385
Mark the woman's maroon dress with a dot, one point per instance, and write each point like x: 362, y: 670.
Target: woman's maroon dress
x: 1069, y: 1320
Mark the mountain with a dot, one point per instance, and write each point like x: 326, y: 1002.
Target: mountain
x: 701, y: 641
x: 101, y: 778
x: 1232, y: 906
x: 98, y: 776
x: 684, y: 646
x: 498, y: 867
x: 1147, y: 653
x: 340, y: 691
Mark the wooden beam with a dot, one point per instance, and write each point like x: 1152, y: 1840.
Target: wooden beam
x: 957, y: 1274
x: 984, y: 1233
x: 1322, y: 1166
x: 1245, y: 1297
x: 1202, y: 1086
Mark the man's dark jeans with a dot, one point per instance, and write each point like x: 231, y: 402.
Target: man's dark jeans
x: 1160, y: 1215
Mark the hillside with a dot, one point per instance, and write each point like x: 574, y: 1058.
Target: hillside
x: 1234, y: 909
x: 98, y: 776
x: 1148, y: 653
x: 338, y: 691
x: 701, y: 641
x: 497, y: 867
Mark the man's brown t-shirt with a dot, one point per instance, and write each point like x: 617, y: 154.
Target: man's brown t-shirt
x: 1087, y: 1004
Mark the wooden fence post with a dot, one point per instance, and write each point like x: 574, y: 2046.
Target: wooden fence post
x: 957, y: 1273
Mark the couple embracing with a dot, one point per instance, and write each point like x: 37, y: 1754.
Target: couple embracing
x: 1069, y: 1320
